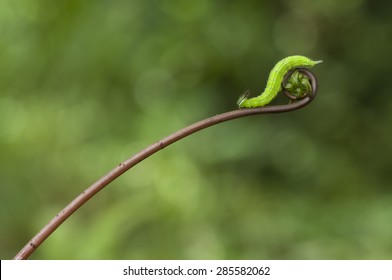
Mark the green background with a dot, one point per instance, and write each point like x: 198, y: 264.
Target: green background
x: 86, y: 84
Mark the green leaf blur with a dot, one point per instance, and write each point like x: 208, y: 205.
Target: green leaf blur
x: 86, y: 84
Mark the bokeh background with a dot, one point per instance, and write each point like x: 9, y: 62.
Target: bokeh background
x: 86, y: 84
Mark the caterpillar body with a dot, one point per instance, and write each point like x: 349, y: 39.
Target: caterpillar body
x: 275, y: 80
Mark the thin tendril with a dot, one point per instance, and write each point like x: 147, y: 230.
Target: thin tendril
x: 82, y: 198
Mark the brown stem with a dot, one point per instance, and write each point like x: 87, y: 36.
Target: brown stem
x: 82, y: 198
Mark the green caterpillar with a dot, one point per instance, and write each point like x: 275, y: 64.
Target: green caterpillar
x: 275, y: 80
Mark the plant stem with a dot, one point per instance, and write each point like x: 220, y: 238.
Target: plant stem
x: 82, y: 198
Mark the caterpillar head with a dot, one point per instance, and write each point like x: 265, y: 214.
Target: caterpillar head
x: 243, y: 97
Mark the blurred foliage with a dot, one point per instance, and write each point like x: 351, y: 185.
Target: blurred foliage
x: 86, y: 84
